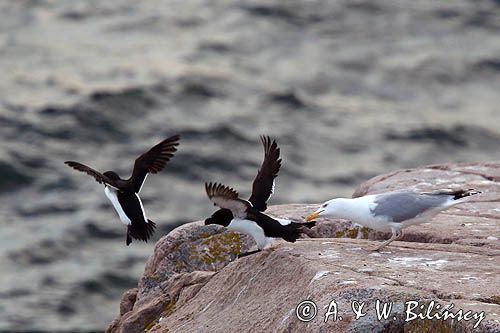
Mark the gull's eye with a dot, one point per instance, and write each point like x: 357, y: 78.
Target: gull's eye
x: 324, y: 206
x: 215, y: 204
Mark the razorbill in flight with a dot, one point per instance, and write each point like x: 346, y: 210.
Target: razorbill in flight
x: 263, y: 184
x: 124, y: 193
x: 392, y: 211
x: 251, y: 221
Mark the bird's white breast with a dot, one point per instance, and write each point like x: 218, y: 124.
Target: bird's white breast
x: 358, y: 210
x: 250, y: 228
x: 111, y: 194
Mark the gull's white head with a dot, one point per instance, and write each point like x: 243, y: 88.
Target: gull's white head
x: 329, y: 208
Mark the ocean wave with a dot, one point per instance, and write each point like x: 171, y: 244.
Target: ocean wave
x: 13, y: 177
x: 458, y: 135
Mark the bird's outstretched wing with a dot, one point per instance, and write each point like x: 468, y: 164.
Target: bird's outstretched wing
x: 153, y: 161
x: 99, y: 177
x: 225, y: 197
x: 263, y: 184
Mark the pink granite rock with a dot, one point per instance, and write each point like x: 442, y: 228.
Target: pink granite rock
x: 190, y: 248
x: 193, y: 284
x: 260, y: 293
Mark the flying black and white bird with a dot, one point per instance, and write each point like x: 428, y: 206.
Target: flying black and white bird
x: 392, y: 211
x: 124, y: 193
x: 251, y: 221
x: 263, y: 184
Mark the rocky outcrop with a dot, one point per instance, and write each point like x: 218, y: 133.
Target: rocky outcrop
x: 181, y: 264
x: 192, y: 282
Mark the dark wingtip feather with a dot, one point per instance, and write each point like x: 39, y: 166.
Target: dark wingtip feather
x: 271, y: 147
x: 268, y: 144
x: 266, y: 141
x: 71, y: 164
x: 216, y: 189
x: 464, y: 193
x: 173, y: 140
x: 155, y: 159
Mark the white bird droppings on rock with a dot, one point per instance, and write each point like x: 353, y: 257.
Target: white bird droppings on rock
x: 319, y: 275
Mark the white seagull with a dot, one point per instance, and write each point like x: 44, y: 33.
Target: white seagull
x: 392, y: 211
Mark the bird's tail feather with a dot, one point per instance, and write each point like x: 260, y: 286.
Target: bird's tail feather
x: 150, y: 228
x: 460, y: 194
x: 129, y: 238
x: 457, y: 194
x: 141, y: 231
x: 309, y: 225
x: 294, y: 230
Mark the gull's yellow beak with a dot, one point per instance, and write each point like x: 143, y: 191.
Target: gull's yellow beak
x: 312, y: 216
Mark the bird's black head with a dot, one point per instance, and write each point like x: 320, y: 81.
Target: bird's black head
x: 222, y: 217
x: 111, y: 175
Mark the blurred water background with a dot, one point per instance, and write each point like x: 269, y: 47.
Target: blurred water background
x: 350, y: 89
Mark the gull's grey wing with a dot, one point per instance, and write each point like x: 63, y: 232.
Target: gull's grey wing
x: 263, y: 184
x: 99, y: 177
x: 402, y: 206
x: 153, y: 161
x: 226, y: 197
